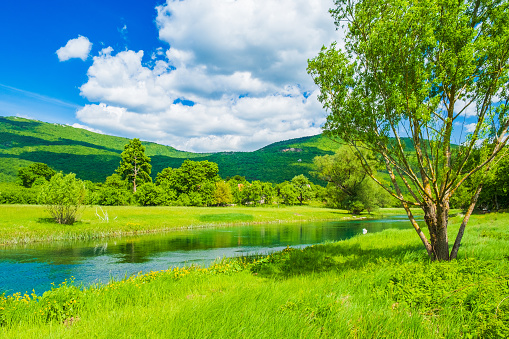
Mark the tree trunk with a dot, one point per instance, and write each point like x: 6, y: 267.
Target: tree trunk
x: 457, y: 242
x: 421, y: 235
x: 436, y: 217
x: 135, y: 173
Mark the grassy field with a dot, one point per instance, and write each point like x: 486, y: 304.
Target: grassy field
x: 378, y: 285
x: 30, y: 223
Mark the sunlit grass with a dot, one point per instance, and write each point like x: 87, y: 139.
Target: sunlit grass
x: 30, y: 223
x: 374, y: 285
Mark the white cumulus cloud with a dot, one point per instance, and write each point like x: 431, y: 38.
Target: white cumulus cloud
x: 75, y: 48
x: 232, y: 77
x: 270, y: 39
x: 76, y: 125
x: 470, y: 128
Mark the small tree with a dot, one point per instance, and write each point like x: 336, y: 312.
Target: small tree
x: 302, y: 187
x: 349, y: 186
x: 223, y: 193
x: 63, y: 197
x: 252, y: 193
x: 135, y: 165
x: 267, y: 192
x: 34, y: 172
x: 287, y: 193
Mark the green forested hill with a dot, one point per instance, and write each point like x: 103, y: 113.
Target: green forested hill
x: 94, y: 156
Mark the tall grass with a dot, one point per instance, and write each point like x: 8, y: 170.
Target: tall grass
x: 371, y: 286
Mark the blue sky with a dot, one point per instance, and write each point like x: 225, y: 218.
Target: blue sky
x: 199, y: 75
x: 34, y: 30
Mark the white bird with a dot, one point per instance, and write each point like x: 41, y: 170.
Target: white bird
x: 364, y: 231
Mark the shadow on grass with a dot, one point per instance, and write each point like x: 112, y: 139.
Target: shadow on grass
x: 46, y: 221
x: 337, y: 257
x: 52, y: 221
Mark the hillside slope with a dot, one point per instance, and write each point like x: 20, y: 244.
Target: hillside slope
x: 94, y: 156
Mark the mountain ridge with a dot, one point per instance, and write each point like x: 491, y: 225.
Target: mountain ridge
x: 93, y: 156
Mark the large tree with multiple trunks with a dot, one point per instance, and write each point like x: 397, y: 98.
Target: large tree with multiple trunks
x: 413, y: 78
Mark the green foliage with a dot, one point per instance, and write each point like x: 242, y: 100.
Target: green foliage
x: 472, y: 288
x: 135, y: 165
x: 114, y: 192
x: 495, y: 183
x: 60, y: 303
x: 11, y: 193
x: 413, y: 69
x: 95, y: 156
x: 148, y: 194
x: 349, y: 186
x: 237, y: 184
x: 27, y: 176
x: 192, y: 184
x: 495, y: 191
x: 302, y: 187
x: 63, y: 197
x: 253, y: 193
x: 471, y: 291
x: 287, y: 193
x: 223, y: 194
x: 193, y: 174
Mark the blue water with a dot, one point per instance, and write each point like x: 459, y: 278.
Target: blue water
x: 37, y: 266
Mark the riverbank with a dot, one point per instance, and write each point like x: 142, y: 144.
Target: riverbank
x: 30, y: 223
x: 373, y: 285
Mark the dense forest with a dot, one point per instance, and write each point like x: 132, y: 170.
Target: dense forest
x: 94, y: 156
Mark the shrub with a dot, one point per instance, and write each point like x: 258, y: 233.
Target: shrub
x: 148, y: 194
x: 11, y: 193
x: 63, y: 197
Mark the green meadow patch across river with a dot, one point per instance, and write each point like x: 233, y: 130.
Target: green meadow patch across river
x: 31, y: 223
x: 227, y: 217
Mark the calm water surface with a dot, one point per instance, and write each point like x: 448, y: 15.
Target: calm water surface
x: 36, y: 266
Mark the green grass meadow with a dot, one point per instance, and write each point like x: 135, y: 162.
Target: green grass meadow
x: 31, y: 223
x: 377, y: 285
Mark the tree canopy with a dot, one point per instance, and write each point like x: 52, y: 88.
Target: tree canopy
x: 302, y: 187
x: 135, y: 165
x: 411, y: 78
x: 27, y: 176
x: 349, y: 186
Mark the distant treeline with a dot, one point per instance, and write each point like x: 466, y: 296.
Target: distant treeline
x: 195, y: 183
x: 199, y: 183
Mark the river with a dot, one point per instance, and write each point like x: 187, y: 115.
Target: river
x: 35, y: 266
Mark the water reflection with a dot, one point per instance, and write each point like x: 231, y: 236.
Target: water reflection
x: 36, y: 266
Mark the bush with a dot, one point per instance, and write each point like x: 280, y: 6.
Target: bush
x: 148, y: 194
x: 11, y: 193
x: 63, y: 197
x: 114, y: 192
